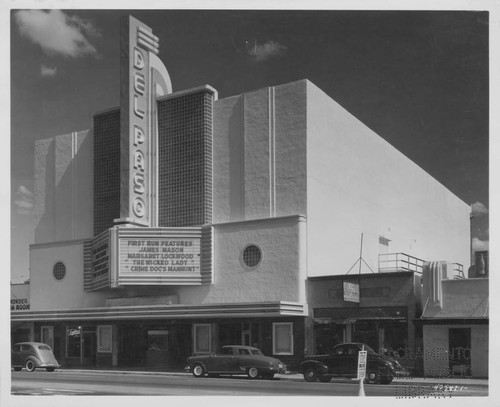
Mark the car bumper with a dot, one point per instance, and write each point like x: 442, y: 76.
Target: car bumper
x: 49, y: 365
x: 401, y: 373
x: 281, y: 369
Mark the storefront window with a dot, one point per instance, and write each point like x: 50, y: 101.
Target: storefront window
x: 158, y: 340
x: 326, y: 336
x: 47, y: 335
x: 104, y: 336
x: 283, y: 338
x: 202, y: 333
x: 366, y: 332
x: 73, y: 341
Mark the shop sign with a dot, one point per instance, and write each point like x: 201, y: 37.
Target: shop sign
x: 19, y: 304
x: 74, y: 331
x: 351, y: 291
x: 160, y: 255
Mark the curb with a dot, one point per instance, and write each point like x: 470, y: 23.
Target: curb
x: 298, y: 377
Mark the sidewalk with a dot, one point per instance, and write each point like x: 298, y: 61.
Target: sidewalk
x: 408, y: 381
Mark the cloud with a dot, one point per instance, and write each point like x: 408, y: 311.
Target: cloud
x: 24, y: 204
x: 262, y: 52
x: 478, y: 209
x: 57, y: 33
x: 25, y: 191
x: 48, y: 71
x: 23, y: 201
x: 480, y: 245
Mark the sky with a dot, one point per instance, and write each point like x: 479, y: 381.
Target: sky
x: 419, y: 79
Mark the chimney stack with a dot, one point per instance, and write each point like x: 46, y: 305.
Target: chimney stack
x: 432, y: 278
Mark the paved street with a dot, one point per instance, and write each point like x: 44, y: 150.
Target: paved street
x: 96, y: 383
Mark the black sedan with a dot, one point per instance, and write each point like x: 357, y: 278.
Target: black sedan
x: 234, y: 360
x: 343, y: 362
x: 33, y: 355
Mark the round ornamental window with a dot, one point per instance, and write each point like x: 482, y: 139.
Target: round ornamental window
x: 59, y: 271
x: 252, y: 256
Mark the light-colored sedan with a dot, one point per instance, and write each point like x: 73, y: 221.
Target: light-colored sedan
x: 235, y: 359
x: 33, y: 355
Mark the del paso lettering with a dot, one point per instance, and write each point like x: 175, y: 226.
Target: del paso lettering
x: 139, y: 108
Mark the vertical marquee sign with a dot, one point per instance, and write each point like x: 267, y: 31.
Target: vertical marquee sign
x: 142, y: 77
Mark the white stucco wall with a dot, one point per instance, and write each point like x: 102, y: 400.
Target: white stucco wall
x: 435, y: 347
x: 280, y: 276
x: 46, y: 292
x: 357, y: 183
x: 292, y: 149
x: 436, y: 341
x: 259, y: 154
x: 480, y: 351
x: 228, y: 161
x: 64, y: 187
x: 279, y: 151
x: 19, y: 297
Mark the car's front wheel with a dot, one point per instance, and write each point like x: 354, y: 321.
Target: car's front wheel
x: 30, y: 365
x: 310, y: 374
x: 198, y: 370
x: 372, y: 377
x: 253, y: 372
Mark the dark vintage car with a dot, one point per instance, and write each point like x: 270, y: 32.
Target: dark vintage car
x: 343, y: 362
x: 235, y: 359
x: 33, y: 355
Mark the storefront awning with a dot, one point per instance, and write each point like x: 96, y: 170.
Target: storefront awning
x: 327, y: 321
x: 343, y: 321
x: 239, y: 310
x: 344, y: 315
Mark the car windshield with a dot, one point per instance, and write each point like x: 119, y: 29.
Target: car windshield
x: 369, y: 350
x: 256, y: 352
x: 43, y: 347
x: 352, y: 350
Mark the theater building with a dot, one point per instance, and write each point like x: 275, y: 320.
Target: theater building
x: 182, y: 221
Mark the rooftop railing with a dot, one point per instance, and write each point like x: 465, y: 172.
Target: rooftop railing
x: 391, y: 262
x: 458, y: 271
